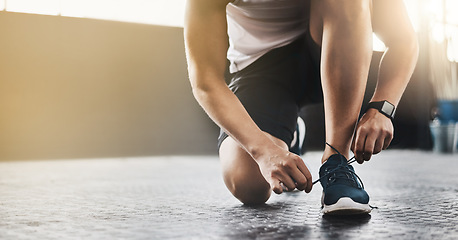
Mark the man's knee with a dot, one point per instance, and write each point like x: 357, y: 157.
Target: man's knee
x: 242, y: 175
x: 247, y: 188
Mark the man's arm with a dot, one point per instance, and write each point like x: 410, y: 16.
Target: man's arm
x: 206, y: 46
x: 392, y: 25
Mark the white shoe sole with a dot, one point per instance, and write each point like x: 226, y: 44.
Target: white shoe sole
x: 346, y: 206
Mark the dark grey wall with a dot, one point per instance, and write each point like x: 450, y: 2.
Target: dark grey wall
x: 82, y: 88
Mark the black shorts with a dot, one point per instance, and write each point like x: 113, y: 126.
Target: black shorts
x: 277, y: 85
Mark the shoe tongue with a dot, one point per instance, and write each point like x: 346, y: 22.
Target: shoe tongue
x: 336, y: 159
x: 343, y: 177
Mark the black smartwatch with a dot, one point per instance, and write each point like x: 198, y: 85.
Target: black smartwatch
x: 384, y: 107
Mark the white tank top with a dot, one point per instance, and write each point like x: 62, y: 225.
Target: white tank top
x: 257, y: 26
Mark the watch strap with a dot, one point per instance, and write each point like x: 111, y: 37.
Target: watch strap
x: 384, y: 107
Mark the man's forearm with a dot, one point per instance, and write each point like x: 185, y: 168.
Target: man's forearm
x: 206, y: 40
x: 225, y: 109
x: 396, y: 69
x: 392, y: 24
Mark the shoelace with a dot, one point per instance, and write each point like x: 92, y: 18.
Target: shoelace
x: 341, y: 168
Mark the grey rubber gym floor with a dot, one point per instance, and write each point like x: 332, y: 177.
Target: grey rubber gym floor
x: 416, y: 195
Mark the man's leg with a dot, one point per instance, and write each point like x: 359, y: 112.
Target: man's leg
x: 241, y: 173
x: 343, y: 28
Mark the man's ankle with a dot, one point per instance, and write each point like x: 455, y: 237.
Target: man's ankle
x: 328, y: 151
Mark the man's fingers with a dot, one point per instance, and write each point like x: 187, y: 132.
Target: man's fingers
x: 359, y: 146
x: 383, y: 141
x: 300, y: 180
x: 277, y: 188
x: 387, y: 141
x: 378, y: 146
x: 306, y: 183
x: 287, y: 181
x: 309, y: 186
x: 303, y: 182
x: 373, y: 134
x: 369, y: 146
x: 353, y: 143
x: 288, y: 174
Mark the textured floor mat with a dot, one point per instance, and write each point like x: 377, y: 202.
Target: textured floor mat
x: 416, y: 195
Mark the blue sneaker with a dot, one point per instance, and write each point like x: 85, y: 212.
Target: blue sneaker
x: 343, y: 190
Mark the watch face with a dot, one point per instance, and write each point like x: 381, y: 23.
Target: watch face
x: 387, y: 108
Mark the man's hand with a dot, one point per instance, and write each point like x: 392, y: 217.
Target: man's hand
x: 374, y: 133
x: 279, y: 166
